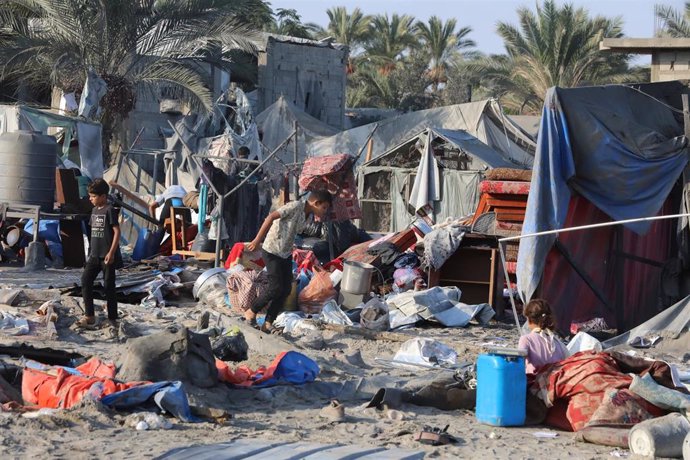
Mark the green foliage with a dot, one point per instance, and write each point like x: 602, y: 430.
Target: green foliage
x: 135, y: 45
x: 288, y: 22
x: 674, y: 23
x: 556, y: 46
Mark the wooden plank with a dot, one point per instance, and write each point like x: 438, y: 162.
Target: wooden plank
x: 482, y: 207
x: 197, y: 254
x: 492, y: 278
x: 507, y: 203
x: 510, y: 216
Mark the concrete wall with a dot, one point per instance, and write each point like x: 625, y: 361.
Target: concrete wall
x: 312, y: 77
x: 671, y: 65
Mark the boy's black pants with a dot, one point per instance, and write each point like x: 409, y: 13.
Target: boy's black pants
x: 94, y: 265
x: 279, y: 285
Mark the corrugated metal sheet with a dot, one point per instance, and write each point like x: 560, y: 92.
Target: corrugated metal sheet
x: 257, y: 450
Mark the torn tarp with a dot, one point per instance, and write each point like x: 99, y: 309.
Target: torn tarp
x: 616, y: 146
x: 63, y: 387
x: 438, y: 303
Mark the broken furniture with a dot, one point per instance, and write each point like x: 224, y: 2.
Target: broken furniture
x: 507, y: 199
x: 475, y: 269
x: 182, y: 217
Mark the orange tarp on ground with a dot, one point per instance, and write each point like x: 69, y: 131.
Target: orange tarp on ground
x: 243, y: 376
x: 55, y: 387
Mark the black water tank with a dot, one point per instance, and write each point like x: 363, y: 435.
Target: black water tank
x: 27, y: 168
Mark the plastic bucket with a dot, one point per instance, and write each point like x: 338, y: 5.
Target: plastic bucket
x: 356, y: 277
x: 501, y: 390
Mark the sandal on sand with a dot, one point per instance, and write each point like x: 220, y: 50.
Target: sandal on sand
x: 334, y: 412
x: 272, y: 330
x: 434, y: 436
x: 85, y: 322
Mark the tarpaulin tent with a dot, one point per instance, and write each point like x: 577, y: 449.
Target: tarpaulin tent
x: 604, y: 153
x: 277, y: 122
x: 88, y: 134
x: 484, y: 120
x: 439, y: 168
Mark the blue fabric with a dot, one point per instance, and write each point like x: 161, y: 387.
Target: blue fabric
x: 617, y: 147
x: 48, y: 230
x: 203, y: 201
x: 168, y: 396
x: 294, y: 369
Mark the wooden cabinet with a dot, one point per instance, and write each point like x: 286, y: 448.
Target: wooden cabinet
x: 476, y: 271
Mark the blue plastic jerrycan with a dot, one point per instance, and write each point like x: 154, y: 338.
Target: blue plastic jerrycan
x: 501, y: 387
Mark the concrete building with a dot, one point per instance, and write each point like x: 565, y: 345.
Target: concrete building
x: 670, y: 56
x: 310, y: 74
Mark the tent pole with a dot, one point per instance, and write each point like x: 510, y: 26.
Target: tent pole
x: 585, y: 277
x: 294, y: 159
x: 510, y: 290
x: 619, y: 267
x: 221, y: 224
x: 255, y: 170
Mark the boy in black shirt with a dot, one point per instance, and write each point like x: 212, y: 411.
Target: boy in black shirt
x: 104, y: 252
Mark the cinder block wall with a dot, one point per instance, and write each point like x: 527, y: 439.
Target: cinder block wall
x: 311, y: 77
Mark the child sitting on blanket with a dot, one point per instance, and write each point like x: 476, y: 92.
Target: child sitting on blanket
x: 542, y: 345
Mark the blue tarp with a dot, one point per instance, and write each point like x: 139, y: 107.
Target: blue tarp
x: 294, y: 368
x: 615, y: 145
x: 168, y: 396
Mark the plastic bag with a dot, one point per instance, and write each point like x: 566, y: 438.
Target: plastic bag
x: 319, y: 291
x: 375, y: 315
x: 583, y: 342
x: 332, y: 314
x: 231, y: 346
x: 425, y: 352
x: 405, y: 278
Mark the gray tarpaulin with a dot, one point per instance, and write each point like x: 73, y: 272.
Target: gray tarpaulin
x: 483, y: 120
x: 669, y: 324
x: 459, y: 194
x: 277, y: 122
x: 443, y: 192
x: 20, y: 117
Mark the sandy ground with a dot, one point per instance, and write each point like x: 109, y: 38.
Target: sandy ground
x: 289, y: 413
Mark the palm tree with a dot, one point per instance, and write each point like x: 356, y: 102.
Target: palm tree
x: 554, y: 47
x: 388, y: 39
x: 441, y: 42
x: 673, y: 22
x: 349, y: 29
x: 289, y: 22
x: 133, y: 45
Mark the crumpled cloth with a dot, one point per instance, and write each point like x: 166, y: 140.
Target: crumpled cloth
x: 333, y: 173
x: 388, y: 252
x: 440, y: 244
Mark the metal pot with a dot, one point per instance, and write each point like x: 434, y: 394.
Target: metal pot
x: 214, y: 275
x: 356, y: 277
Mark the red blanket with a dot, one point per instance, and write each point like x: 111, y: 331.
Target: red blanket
x: 578, y: 386
x: 504, y: 187
x: 334, y: 174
